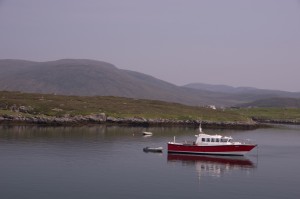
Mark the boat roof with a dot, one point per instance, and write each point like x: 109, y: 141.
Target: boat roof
x: 202, y: 135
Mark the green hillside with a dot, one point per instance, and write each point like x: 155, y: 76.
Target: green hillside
x: 275, y: 102
x: 57, y: 105
x: 271, y: 113
x: 28, y: 104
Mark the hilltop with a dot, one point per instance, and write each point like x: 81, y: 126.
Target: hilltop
x: 83, y: 77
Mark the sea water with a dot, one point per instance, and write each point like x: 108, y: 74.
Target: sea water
x: 109, y: 162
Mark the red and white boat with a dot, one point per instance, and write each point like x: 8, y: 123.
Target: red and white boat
x: 211, y: 145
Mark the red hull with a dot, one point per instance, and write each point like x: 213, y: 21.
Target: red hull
x: 211, y: 150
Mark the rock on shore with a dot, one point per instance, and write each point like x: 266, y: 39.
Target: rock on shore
x: 191, y: 123
x: 135, y: 121
x: 276, y: 121
x: 48, y: 120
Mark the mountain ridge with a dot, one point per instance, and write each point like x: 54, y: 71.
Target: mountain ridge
x: 84, y: 77
x: 274, y: 103
x: 228, y: 89
x: 89, y: 77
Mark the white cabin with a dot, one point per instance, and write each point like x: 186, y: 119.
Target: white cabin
x: 213, y: 140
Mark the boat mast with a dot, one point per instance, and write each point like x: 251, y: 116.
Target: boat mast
x: 200, y: 129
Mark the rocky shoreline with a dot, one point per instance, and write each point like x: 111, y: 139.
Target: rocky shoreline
x: 107, y: 120
x: 276, y: 121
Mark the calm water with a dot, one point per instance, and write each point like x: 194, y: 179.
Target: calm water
x: 108, y: 162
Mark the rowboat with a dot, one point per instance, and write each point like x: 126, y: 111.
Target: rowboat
x: 147, y: 133
x: 153, y: 149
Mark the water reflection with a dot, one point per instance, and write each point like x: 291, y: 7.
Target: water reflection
x: 213, y: 166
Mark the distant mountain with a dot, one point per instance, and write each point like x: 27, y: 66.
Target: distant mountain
x: 219, y: 88
x: 84, y: 77
x: 89, y: 78
x: 274, y: 102
x: 245, y: 94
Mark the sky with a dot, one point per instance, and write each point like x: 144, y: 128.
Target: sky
x: 253, y: 43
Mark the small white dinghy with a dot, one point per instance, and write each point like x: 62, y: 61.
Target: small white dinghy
x: 147, y: 133
x: 153, y: 149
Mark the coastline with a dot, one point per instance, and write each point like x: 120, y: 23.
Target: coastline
x: 276, y: 121
x: 18, y: 108
x: 102, y: 119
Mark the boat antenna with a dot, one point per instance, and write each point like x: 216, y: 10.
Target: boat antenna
x: 200, y: 129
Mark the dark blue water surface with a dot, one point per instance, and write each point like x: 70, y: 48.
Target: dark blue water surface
x: 108, y: 162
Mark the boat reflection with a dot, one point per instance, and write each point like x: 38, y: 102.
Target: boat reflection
x: 214, y: 166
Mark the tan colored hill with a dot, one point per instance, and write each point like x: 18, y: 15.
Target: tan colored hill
x: 95, y: 78
x: 82, y: 77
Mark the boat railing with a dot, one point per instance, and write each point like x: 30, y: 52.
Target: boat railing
x: 189, y: 142
x: 242, y: 141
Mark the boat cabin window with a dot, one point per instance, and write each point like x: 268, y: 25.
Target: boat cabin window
x: 217, y: 140
x: 203, y: 139
x: 223, y: 140
x: 207, y: 139
x: 212, y: 139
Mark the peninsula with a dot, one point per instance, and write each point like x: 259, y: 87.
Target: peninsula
x: 51, y: 109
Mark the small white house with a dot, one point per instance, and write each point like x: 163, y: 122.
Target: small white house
x: 212, y: 107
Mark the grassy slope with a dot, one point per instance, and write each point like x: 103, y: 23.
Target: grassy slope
x: 271, y: 113
x: 275, y: 103
x: 56, y: 105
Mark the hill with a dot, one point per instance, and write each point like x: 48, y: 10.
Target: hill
x: 59, y: 106
x: 274, y: 103
x: 95, y: 78
x: 82, y: 77
x: 241, y: 90
x: 49, y: 109
x: 219, y: 88
x: 245, y: 95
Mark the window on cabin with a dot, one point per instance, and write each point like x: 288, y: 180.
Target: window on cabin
x: 207, y: 139
x: 223, y: 140
x: 212, y: 139
x: 203, y: 139
x: 217, y: 140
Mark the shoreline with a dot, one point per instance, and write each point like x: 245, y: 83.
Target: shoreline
x: 276, y: 121
x: 102, y: 119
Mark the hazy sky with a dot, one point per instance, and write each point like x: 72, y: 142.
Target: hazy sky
x: 234, y: 42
